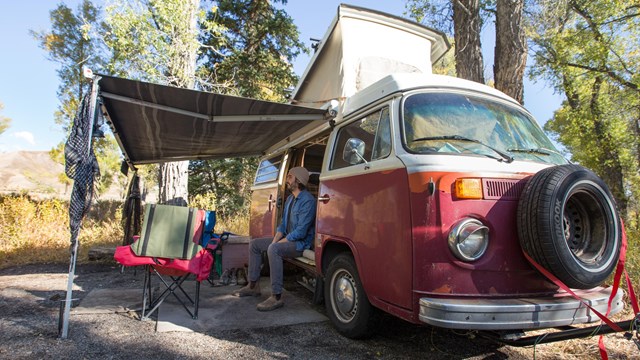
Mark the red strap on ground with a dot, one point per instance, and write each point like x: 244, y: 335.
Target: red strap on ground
x: 623, y: 257
x: 564, y: 287
x: 632, y: 295
x: 616, y: 284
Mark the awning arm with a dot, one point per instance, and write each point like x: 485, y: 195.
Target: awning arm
x: 116, y: 135
x: 226, y: 118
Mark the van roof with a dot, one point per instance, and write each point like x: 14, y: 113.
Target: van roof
x: 396, y: 83
x: 389, y: 85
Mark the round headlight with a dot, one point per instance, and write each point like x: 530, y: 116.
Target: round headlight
x: 468, y: 240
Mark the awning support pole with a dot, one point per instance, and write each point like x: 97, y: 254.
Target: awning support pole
x: 74, y: 250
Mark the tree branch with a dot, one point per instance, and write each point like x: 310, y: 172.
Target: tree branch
x: 612, y: 74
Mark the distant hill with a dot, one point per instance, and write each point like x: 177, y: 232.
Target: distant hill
x: 31, y: 172
x: 34, y: 173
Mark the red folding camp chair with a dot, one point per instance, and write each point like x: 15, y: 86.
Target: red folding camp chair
x: 176, y: 234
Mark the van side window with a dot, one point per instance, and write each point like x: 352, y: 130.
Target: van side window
x: 268, y: 170
x: 374, y: 130
x: 382, y: 145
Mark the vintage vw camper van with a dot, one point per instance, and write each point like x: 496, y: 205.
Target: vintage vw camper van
x: 437, y: 198
x: 430, y: 189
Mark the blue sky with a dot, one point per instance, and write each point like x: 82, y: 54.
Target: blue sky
x: 28, y: 81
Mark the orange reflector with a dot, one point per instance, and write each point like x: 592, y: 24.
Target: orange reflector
x: 468, y: 189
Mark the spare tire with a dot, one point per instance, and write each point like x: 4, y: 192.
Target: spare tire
x: 568, y: 223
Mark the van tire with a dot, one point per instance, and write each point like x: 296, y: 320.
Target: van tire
x: 568, y: 223
x: 345, y: 300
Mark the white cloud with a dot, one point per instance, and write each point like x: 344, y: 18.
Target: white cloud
x: 26, y: 136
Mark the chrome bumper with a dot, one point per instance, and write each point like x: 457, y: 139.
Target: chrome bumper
x: 520, y: 313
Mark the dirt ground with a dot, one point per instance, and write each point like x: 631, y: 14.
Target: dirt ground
x: 29, y: 314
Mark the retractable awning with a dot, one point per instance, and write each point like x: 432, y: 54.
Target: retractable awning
x: 155, y: 123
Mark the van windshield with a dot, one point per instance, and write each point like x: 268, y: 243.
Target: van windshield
x: 453, y: 123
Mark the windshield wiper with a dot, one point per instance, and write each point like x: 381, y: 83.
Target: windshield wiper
x: 540, y: 151
x: 505, y: 157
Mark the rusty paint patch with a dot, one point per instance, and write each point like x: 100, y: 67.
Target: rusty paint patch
x: 444, y: 289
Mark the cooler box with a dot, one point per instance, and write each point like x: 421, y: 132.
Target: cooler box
x: 235, y: 252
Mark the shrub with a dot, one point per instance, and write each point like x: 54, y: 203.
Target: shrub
x: 37, y: 231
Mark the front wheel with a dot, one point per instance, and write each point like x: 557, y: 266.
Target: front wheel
x: 345, y: 300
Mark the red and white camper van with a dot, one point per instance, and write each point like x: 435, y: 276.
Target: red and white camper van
x: 432, y: 192
x: 429, y: 188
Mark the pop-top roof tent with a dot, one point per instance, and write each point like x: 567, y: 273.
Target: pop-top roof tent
x: 360, y: 47
x: 155, y: 123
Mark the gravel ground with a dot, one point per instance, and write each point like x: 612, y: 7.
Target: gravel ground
x: 29, y: 312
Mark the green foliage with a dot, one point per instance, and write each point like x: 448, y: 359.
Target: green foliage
x: 73, y: 43
x: 437, y: 14
x: 5, y: 122
x: 252, y: 58
x: 447, y: 64
x: 109, y: 159
x: 155, y: 40
x: 229, y: 179
x: 590, y: 50
x: 253, y: 55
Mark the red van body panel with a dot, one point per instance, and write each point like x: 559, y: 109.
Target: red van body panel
x: 263, y: 212
x: 371, y: 211
x: 501, y: 272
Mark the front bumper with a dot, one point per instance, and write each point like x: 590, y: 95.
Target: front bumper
x: 519, y: 313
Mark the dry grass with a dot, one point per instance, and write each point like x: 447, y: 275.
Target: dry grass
x: 37, y: 231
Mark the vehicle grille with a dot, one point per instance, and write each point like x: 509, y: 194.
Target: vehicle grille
x: 503, y: 189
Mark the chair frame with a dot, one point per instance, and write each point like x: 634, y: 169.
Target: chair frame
x: 171, y: 288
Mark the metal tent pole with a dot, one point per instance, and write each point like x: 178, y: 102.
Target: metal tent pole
x: 74, y: 251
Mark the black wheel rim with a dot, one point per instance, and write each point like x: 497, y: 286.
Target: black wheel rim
x: 587, y: 227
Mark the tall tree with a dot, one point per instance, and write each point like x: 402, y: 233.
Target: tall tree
x: 590, y: 51
x: 252, y: 58
x: 510, y: 57
x: 255, y: 52
x: 5, y: 122
x: 466, y: 27
x: 462, y: 20
x: 157, y: 41
x: 73, y: 44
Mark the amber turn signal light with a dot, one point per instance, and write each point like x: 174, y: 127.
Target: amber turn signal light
x: 468, y: 188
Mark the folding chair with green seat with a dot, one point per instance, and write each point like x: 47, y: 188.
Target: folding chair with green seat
x: 171, y: 247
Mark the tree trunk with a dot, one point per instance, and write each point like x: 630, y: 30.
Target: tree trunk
x: 468, y: 50
x: 173, y: 181
x: 611, y: 171
x: 511, y: 49
x: 173, y: 177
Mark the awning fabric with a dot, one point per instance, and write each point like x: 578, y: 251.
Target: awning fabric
x: 155, y: 123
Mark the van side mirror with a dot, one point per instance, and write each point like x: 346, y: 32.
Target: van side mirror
x: 353, y: 152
